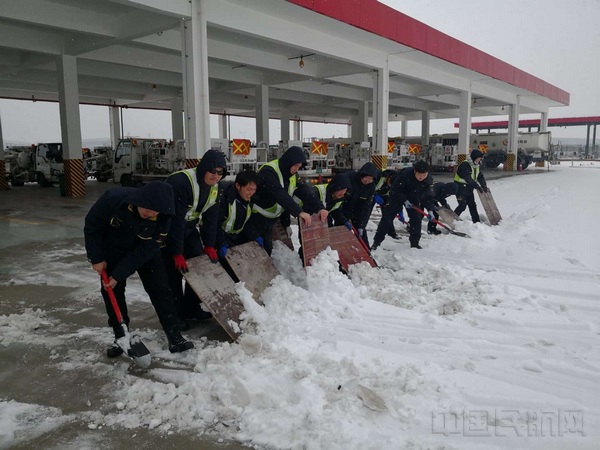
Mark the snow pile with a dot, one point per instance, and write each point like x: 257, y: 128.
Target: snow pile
x: 488, y: 342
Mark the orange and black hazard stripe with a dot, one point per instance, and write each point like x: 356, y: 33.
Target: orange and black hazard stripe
x: 74, y: 177
x: 380, y: 161
x: 191, y: 163
x: 3, y: 177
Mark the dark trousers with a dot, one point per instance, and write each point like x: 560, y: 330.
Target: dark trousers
x: 466, y: 198
x: 186, y: 300
x: 154, y: 279
x: 431, y: 226
x: 387, y: 221
x: 264, y: 227
x: 365, y: 237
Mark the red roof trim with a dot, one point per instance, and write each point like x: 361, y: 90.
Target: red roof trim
x: 380, y: 19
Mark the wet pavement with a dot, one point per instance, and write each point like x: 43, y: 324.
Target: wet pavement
x: 60, y: 367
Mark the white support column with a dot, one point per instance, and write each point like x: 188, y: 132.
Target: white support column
x: 262, y: 114
x: 381, y: 102
x: 511, y: 163
x: 223, y: 128
x: 360, y: 123
x: 177, y: 118
x: 2, y: 157
x: 298, y: 130
x: 425, y: 116
x: 543, y: 122
x: 404, y: 128
x: 70, y: 126
x: 285, y: 126
x: 195, y: 82
x: 3, y: 178
x: 114, y: 121
x: 464, y: 130
x: 68, y: 95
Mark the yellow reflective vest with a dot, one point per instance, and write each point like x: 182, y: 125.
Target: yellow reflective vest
x: 273, y: 212
x: 192, y: 212
x: 474, y: 173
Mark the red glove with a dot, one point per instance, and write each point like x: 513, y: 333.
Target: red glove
x: 180, y: 263
x: 212, y: 254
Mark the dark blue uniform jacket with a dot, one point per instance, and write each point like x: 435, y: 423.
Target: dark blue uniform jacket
x: 114, y: 231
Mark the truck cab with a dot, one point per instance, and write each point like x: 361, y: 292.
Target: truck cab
x: 48, y: 163
x: 41, y: 163
x: 135, y: 161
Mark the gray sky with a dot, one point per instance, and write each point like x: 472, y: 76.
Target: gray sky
x: 555, y: 40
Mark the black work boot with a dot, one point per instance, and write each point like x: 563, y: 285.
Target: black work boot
x: 177, y: 342
x: 415, y: 244
x: 433, y: 231
x: 115, y: 350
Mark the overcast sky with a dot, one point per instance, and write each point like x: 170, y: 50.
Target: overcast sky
x: 555, y: 40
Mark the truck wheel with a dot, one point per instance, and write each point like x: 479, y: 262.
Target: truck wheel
x: 41, y: 180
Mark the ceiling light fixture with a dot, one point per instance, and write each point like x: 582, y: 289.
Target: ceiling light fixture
x: 301, y: 58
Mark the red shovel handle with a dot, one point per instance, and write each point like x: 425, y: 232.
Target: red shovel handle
x: 111, y: 296
x: 420, y: 211
x: 360, y: 239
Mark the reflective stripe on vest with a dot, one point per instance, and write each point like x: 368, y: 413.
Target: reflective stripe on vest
x: 192, y: 213
x: 230, y: 222
x: 322, y: 190
x: 273, y: 212
x: 474, y: 173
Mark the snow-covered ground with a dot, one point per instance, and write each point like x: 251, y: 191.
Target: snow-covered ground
x: 482, y: 343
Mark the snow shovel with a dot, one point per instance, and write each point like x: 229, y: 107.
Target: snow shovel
x: 450, y: 230
x: 132, y: 346
x: 360, y: 239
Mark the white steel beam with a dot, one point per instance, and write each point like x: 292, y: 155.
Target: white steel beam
x: 70, y: 124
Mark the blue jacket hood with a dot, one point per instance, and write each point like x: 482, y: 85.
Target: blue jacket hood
x: 156, y: 195
x: 290, y: 157
x: 339, y: 182
x: 212, y: 159
x: 369, y: 169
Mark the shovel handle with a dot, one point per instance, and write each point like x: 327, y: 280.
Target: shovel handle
x: 111, y: 296
x: 423, y: 213
x: 360, y: 239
